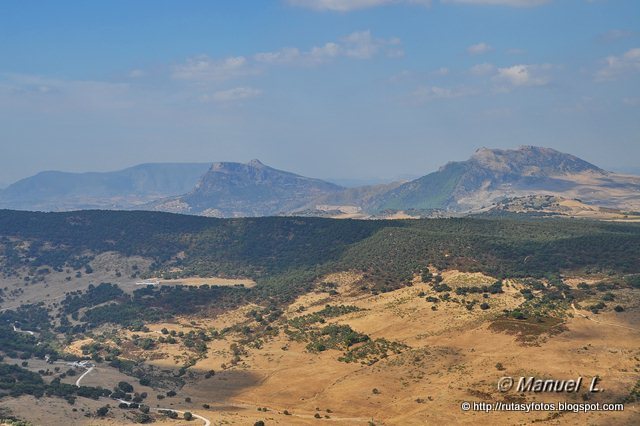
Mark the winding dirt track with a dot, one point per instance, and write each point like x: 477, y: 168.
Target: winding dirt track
x: 89, y: 370
x: 206, y: 421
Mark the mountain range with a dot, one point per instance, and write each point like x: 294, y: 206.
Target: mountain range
x: 133, y: 186
x: 226, y: 189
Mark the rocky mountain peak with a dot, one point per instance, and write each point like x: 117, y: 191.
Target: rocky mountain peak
x: 531, y: 161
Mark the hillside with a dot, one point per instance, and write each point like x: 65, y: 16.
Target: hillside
x: 492, y: 174
x: 272, y: 250
x: 550, y: 205
x: 348, y: 321
x: 59, y: 191
x: 252, y: 189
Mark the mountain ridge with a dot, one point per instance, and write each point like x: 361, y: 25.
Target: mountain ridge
x: 231, y: 189
x: 249, y: 189
x: 492, y: 174
x: 59, y: 191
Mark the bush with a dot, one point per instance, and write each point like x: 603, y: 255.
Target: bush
x: 125, y: 387
x: 518, y: 315
x: 102, y: 411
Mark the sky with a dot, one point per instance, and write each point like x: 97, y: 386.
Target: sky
x: 348, y: 89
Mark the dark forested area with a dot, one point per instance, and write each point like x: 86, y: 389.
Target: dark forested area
x: 285, y: 254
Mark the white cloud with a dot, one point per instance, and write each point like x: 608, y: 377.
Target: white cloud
x: 232, y: 95
x: 482, y: 69
x: 357, y: 45
x: 283, y: 56
x: 616, y: 66
x: 429, y: 93
x: 203, y: 68
x: 349, y: 5
x: 479, y: 49
x: 324, y: 53
x: 511, y: 3
x: 360, y: 45
x: 524, y: 75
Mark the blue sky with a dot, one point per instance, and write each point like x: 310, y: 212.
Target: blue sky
x: 360, y: 89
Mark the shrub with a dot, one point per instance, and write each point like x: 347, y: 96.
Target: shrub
x: 102, y: 411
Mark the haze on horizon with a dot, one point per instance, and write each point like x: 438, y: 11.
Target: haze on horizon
x: 350, y: 89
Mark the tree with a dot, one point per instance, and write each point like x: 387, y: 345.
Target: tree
x: 102, y: 411
x: 125, y: 387
x: 188, y: 416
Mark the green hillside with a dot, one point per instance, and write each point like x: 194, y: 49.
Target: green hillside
x: 285, y: 254
x: 433, y: 191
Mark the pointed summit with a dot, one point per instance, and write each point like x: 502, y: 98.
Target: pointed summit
x: 251, y: 189
x: 255, y: 163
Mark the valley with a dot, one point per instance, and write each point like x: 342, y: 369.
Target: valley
x: 385, y: 322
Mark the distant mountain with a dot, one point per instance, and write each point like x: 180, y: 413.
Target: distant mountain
x: 493, y: 174
x: 252, y: 189
x: 228, y: 189
x: 59, y: 191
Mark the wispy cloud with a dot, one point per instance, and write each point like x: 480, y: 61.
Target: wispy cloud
x: 232, y: 95
x: 614, y: 35
x: 511, y: 3
x: 350, y: 5
x: 50, y: 94
x: 202, y: 68
x: 137, y: 73
x: 524, y: 75
x: 357, y: 45
x: 616, y: 66
x: 479, y: 49
x: 442, y: 71
x: 429, y: 93
x: 482, y: 69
